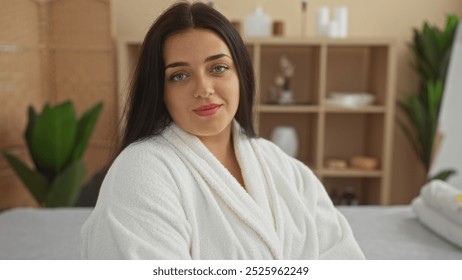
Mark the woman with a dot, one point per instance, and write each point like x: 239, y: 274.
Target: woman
x: 192, y: 181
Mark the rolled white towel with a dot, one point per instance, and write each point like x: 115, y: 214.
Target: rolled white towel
x: 444, y: 198
x: 441, y: 194
x: 437, y: 222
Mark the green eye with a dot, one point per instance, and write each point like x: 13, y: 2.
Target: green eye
x: 219, y: 69
x: 178, y: 77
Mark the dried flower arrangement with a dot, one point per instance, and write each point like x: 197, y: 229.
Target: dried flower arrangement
x: 287, y: 71
x: 282, y: 79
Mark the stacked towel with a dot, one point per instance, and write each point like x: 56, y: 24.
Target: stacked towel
x: 439, y: 208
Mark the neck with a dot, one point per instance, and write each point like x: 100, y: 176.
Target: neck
x: 221, y: 146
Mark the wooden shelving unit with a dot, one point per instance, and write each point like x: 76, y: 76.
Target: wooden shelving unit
x: 326, y: 131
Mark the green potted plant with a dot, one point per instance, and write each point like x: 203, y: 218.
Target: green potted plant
x: 431, y: 50
x: 56, y: 141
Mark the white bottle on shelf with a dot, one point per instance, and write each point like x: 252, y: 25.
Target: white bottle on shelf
x: 258, y: 24
x: 322, y: 21
x: 341, y: 17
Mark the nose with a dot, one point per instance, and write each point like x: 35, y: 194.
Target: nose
x: 204, y: 86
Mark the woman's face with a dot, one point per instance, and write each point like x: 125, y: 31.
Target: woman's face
x: 201, y: 83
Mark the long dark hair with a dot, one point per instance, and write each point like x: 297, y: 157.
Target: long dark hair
x: 146, y: 114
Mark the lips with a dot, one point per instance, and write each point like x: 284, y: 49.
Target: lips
x: 207, y: 110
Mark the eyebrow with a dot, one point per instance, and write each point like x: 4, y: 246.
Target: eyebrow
x: 208, y: 59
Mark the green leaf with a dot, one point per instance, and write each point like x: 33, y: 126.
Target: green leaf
x: 434, y: 96
x: 449, y: 31
x: 443, y: 175
x: 417, y: 115
x: 32, y: 119
x: 430, y: 51
x: 85, y: 128
x: 33, y: 180
x: 67, y: 186
x: 409, y: 135
x: 423, y: 63
x: 30, y: 124
x: 53, y: 137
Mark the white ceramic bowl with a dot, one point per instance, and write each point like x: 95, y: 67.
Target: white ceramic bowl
x: 350, y: 99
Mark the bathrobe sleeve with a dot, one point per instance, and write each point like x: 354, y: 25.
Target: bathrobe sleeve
x: 139, y: 214
x: 334, y: 235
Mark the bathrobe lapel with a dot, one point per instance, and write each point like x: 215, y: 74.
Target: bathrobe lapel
x: 257, y: 207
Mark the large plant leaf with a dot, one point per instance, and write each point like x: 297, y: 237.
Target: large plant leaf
x: 33, y: 180
x: 53, y: 137
x: 85, y: 128
x: 67, y: 186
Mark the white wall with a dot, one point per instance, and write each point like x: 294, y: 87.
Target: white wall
x: 450, y: 151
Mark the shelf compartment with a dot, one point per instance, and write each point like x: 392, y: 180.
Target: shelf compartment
x: 358, y: 69
x: 348, y: 135
x: 365, y: 189
x: 305, y: 82
x: 306, y: 126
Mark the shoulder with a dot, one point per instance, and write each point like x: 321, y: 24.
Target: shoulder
x: 145, y: 154
x: 143, y: 167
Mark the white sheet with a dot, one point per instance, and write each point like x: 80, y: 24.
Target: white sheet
x: 394, y: 232
x: 41, y: 234
x: 382, y: 232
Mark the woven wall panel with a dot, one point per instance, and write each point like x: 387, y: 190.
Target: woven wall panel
x: 88, y: 67
x: 80, y: 23
x: 52, y: 51
x: 20, y: 86
x: 19, y: 22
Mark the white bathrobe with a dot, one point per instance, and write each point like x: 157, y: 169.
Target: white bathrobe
x: 168, y: 197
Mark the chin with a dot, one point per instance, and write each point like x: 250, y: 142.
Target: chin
x: 210, y: 129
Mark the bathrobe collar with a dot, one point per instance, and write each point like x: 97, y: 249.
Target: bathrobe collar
x: 257, y: 205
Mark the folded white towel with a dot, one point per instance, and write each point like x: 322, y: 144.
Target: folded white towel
x: 437, y: 222
x: 444, y: 198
